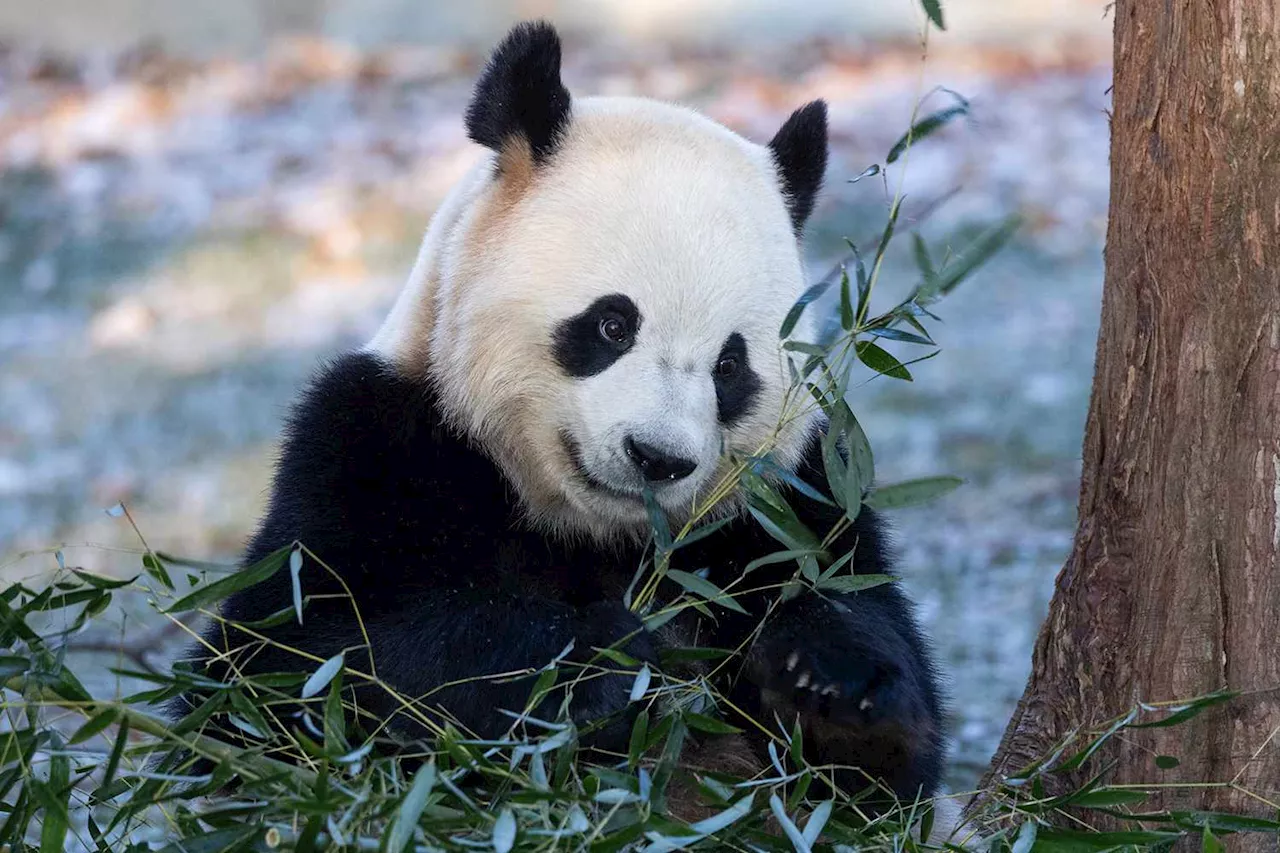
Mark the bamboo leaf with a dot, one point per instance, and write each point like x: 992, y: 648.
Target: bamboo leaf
x: 933, y: 8
x: 295, y: 570
x: 504, y: 831
x: 243, y: 579
x: 911, y: 492
x: 322, y: 676
x: 710, y: 725
x: 641, y: 683
x: 854, y: 583
x: 879, y: 360
x: 704, y: 588
x: 406, y: 819
x: 793, y: 316
x: 924, y: 127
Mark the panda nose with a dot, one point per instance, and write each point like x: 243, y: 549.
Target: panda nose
x: 657, y: 466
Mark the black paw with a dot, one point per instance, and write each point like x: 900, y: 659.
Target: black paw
x: 602, y: 699
x: 846, y: 686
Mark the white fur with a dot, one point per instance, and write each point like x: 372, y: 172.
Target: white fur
x: 641, y: 198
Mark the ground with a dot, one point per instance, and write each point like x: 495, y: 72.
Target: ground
x: 180, y: 242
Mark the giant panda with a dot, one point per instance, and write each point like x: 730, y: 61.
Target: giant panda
x: 594, y: 313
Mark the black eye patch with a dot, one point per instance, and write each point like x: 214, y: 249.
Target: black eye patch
x: 736, y: 389
x: 588, y: 343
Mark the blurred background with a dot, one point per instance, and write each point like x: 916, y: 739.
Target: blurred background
x: 199, y: 199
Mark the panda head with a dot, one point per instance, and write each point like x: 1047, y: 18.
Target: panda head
x: 598, y: 303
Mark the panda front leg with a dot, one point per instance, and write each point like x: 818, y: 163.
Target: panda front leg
x: 459, y: 657
x: 854, y: 671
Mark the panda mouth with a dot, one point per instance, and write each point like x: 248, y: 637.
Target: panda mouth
x: 574, y: 451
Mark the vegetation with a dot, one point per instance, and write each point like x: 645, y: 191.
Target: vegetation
x: 84, y: 772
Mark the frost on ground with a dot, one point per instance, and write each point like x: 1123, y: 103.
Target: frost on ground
x: 179, y: 243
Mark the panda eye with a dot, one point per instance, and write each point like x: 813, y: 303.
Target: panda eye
x: 726, y: 367
x: 614, y: 330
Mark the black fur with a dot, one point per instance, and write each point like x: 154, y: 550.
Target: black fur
x: 736, y: 393
x: 451, y: 584
x: 520, y: 93
x: 579, y: 347
x: 800, y: 152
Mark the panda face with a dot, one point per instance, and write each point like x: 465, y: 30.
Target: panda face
x: 598, y: 303
x: 614, y: 327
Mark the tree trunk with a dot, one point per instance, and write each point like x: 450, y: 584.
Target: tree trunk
x: 1172, y: 588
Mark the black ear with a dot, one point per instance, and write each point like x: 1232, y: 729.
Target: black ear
x: 520, y: 93
x: 800, y: 150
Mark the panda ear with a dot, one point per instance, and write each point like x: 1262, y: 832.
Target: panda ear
x: 520, y: 95
x: 800, y: 152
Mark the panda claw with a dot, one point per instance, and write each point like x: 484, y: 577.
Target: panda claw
x: 803, y: 680
x: 865, y: 704
x: 831, y: 690
x: 792, y: 660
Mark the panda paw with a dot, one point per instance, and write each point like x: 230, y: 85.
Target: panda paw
x: 848, y: 689
x: 825, y: 667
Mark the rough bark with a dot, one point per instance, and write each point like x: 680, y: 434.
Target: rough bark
x: 1172, y: 588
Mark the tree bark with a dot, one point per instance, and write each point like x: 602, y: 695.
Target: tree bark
x: 1172, y: 588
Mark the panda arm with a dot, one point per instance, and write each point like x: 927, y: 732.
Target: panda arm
x: 855, y: 668
x: 421, y: 529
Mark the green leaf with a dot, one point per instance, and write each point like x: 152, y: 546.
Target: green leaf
x: 921, y: 252
x: 1225, y: 822
x: 854, y: 583
x: 846, y: 302
x: 504, y: 831
x: 704, y: 588
x: 700, y: 533
x: 858, y: 446
x: 681, y: 655
x: 243, y: 579
x: 933, y: 8
x: 911, y: 492
x: 322, y: 676
x: 639, y: 732
x: 924, y: 127
x: 657, y: 520
x: 879, y: 360
x: 155, y: 568
x: 817, y: 820
x: 885, y: 239
x: 1191, y: 709
x: 765, y: 465
x: 793, y: 316
x: 94, y: 725
x: 99, y: 582
x: 1026, y: 838
x: 1166, y: 762
x: 710, y: 725
x: 618, y: 656
x: 641, y: 684
x: 53, y: 795
x: 295, y: 580
x: 215, y: 842
x: 400, y: 834
x: 1071, y: 841
x: 797, y: 744
x: 1209, y: 842
x: 975, y: 255
x: 777, y: 557
x: 807, y: 349
x: 117, y: 750
x: 11, y: 665
x: 904, y: 337
x: 1107, y: 798
x: 717, y: 822
x: 788, y: 826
